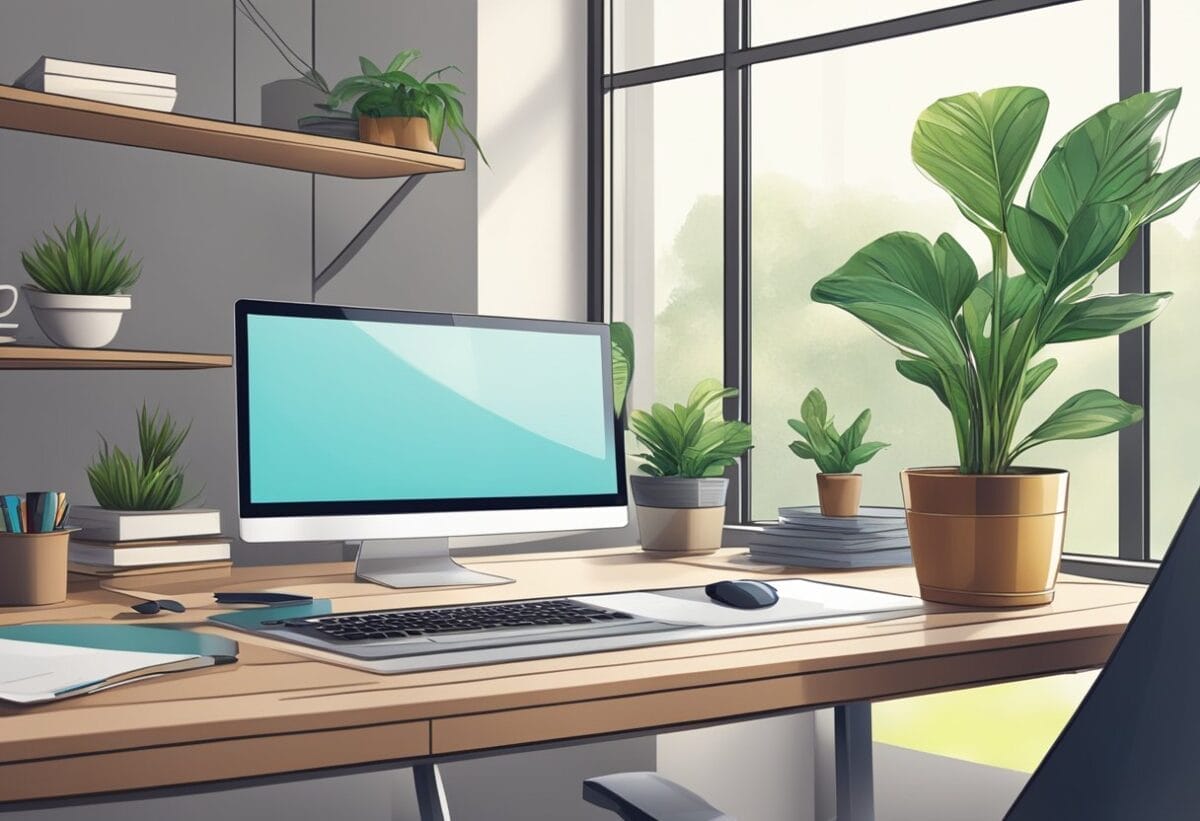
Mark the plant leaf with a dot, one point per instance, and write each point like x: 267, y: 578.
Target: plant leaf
x: 368, y: 68
x: 622, y: 362
x: 1108, y: 315
x: 1085, y: 415
x: 896, y: 286
x: 1036, y: 375
x: 1106, y: 158
x: 977, y: 147
x: 1034, y: 241
x: 863, y: 454
x: 1091, y: 237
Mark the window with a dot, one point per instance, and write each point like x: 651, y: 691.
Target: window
x: 1174, y: 250
x: 735, y: 180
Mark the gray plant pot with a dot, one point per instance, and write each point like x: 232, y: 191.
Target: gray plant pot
x: 675, y: 492
x: 284, y: 102
x: 680, y: 516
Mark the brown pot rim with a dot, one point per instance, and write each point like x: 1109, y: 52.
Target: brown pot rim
x: 32, y: 535
x: 838, y: 475
x: 1015, y: 473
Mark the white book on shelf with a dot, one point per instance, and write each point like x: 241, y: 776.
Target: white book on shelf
x: 185, y: 552
x: 154, y: 90
x: 97, y: 71
x: 99, y: 524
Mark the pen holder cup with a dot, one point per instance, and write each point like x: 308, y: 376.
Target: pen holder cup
x: 33, y: 567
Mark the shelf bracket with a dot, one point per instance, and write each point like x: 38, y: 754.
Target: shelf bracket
x: 364, y: 235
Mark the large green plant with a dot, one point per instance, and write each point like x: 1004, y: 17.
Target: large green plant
x: 974, y: 339
x: 393, y: 92
x: 152, y: 480
x: 693, y: 440
x: 81, y: 260
x: 820, y: 441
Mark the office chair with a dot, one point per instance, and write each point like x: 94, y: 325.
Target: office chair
x: 1129, y: 751
x: 648, y: 797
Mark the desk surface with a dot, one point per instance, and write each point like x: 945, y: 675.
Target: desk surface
x: 278, y: 711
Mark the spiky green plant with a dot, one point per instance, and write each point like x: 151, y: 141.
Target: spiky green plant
x: 693, y: 440
x: 153, y: 481
x: 81, y: 260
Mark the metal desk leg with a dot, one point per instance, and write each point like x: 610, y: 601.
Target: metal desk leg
x: 853, y: 762
x: 431, y: 795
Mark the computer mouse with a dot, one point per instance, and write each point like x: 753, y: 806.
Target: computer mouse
x: 744, y: 594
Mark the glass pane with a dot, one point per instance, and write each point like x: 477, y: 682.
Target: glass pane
x: 1174, y: 249
x: 775, y: 20
x: 831, y: 172
x: 653, y: 32
x: 666, y: 240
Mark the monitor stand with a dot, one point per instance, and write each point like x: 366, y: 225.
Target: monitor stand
x: 416, y: 563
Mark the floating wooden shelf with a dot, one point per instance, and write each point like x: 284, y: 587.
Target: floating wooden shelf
x: 35, y: 111
x: 20, y: 357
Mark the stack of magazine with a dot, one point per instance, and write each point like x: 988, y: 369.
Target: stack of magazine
x: 876, y: 537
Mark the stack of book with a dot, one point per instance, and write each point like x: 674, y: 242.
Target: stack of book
x: 127, y: 543
x: 136, y: 87
x: 877, y: 537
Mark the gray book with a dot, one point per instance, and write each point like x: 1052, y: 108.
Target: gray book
x: 869, y: 519
x: 882, y: 558
x: 816, y: 543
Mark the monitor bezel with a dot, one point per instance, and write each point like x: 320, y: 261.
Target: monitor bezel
x: 249, y: 509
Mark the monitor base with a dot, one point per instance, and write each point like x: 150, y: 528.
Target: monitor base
x: 416, y: 563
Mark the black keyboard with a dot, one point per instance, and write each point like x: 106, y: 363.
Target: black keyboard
x: 483, y: 618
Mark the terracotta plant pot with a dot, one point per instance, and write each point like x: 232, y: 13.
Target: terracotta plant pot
x: 401, y: 132
x: 680, y: 516
x: 839, y: 493
x: 33, y: 568
x: 986, y: 541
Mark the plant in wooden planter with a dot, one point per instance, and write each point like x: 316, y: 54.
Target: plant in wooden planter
x: 836, y: 454
x: 987, y: 532
x: 395, y: 108
x: 681, y: 499
x: 81, y: 278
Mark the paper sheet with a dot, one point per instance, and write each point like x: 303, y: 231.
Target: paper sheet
x: 32, y: 671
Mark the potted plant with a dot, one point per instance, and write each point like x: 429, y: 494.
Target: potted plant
x: 151, y: 481
x: 839, y: 488
x: 681, y: 499
x: 988, y: 532
x: 395, y: 108
x: 81, y: 280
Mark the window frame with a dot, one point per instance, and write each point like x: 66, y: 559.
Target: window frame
x: 1133, y: 562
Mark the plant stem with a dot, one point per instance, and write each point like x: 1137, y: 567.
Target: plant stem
x: 994, y: 458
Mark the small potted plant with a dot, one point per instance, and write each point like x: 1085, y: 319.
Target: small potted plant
x: 681, y: 499
x: 395, y: 108
x: 839, y: 488
x: 151, y: 481
x: 986, y: 531
x: 81, y: 280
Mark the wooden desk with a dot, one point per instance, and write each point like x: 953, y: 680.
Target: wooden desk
x: 278, y: 711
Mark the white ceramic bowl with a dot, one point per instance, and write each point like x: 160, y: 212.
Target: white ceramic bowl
x: 75, y: 321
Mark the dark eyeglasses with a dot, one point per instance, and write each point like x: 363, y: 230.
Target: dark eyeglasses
x: 149, y: 608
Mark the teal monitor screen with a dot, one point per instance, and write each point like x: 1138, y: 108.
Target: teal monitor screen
x: 358, y: 410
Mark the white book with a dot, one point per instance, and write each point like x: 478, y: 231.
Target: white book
x: 95, y: 71
x: 99, y: 524
x: 153, y: 90
x: 141, y: 556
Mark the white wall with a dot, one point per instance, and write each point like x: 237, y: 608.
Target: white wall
x: 533, y: 124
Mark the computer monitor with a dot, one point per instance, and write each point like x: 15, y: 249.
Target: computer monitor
x: 399, y: 429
